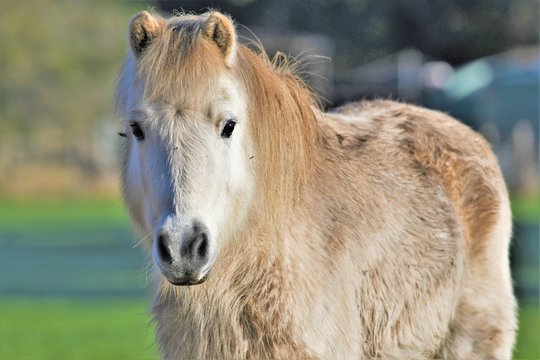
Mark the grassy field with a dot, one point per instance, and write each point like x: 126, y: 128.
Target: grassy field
x: 528, y: 341
x: 75, y: 329
x: 72, y: 286
x: 69, y: 248
x: 45, y: 215
x: 526, y: 207
x: 120, y: 329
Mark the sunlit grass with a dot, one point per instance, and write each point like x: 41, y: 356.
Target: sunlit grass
x: 526, y: 208
x: 60, y: 214
x: 528, y: 345
x: 120, y: 329
x: 66, y: 329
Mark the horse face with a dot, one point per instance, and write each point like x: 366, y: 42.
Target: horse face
x: 187, y: 171
x: 187, y: 178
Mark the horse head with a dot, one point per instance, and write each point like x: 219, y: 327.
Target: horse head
x: 187, y: 177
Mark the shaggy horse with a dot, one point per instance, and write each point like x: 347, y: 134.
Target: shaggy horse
x: 377, y: 230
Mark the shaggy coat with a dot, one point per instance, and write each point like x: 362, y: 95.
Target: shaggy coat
x: 376, y: 230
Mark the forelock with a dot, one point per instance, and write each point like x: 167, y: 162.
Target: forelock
x: 181, y: 64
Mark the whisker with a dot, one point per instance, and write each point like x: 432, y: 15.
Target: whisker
x: 144, y: 238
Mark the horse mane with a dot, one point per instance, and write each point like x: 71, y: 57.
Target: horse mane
x: 282, y: 109
x: 283, y: 116
x: 178, y: 60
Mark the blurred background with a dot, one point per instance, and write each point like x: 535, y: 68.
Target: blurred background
x: 73, y: 279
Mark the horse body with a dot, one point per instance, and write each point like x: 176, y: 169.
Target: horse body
x: 377, y: 230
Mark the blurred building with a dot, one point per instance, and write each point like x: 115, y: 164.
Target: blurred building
x: 403, y: 75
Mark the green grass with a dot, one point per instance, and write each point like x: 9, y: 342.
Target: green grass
x: 526, y: 208
x: 69, y: 248
x: 46, y: 215
x: 75, y: 329
x: 528, y: 341
x: 120, y: 329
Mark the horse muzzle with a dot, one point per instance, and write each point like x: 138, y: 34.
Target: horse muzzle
x: 184, y: 257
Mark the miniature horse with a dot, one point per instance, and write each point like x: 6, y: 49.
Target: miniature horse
x: 377, y: 230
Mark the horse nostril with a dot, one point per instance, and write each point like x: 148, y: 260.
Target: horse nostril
x: 163, y: 248
x: 196, y: 244
x: 203, y: 246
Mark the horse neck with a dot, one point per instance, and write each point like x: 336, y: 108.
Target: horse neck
x: 284, y: 131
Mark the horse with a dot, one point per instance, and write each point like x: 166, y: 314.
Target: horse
x: 280, y: 231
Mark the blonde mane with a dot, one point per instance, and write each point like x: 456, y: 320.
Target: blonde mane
x: 283, y: 118
x: 179, y: 62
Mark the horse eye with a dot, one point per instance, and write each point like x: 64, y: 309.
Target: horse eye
x: 136, y: 130
x: 228, y: 129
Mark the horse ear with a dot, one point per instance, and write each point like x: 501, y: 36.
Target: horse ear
x: 220, y: 30
x: 143, y: 29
